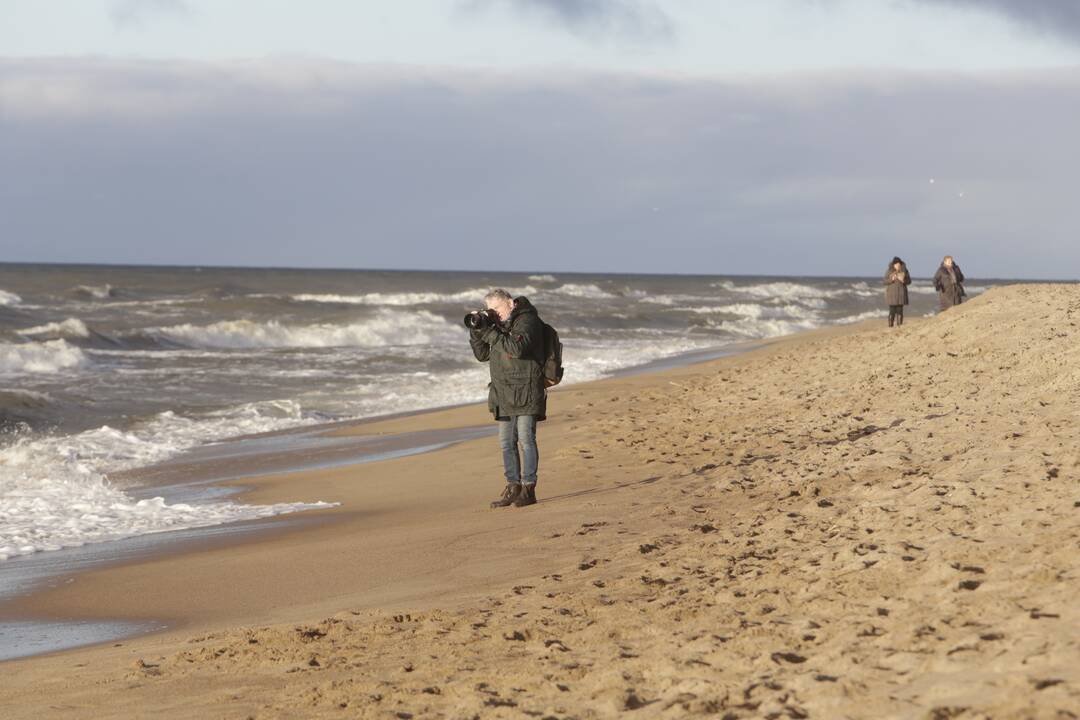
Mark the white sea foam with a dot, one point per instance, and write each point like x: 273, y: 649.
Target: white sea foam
x: 72, y: 328
x: 95, y: 291
x: 673, y: 300
x: 925, y: 288
x: 666, y: 300
x: 39, y: 358
x: 543, y: 278
x: 796, y: 291
x: 148, y: 303
x: 44, y: 511
x: 385, y: 329
x: 577, y: 290
x: 781, y: 290
x: 9, y: 298
x: 868, y: 315
x: 397, y: 299
x: 862, y: 289
x: 54, y: 492
x: 756, y: 311
x: 761, y: 328
x: 591, y: 360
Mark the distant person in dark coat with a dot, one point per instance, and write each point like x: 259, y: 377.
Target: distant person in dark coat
x: 948, y: 281
x: 897, y: 279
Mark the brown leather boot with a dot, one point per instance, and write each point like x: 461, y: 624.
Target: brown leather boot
x: 527, y: 496
x: 510, y: 493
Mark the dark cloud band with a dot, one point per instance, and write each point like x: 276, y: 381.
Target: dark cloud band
x: 311, y: 162
x: 627, y: 20
x: 1057, y: 17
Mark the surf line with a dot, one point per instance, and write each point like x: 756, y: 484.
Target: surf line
x: 192, y: 477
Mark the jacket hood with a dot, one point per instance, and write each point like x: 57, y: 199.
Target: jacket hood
x: 522, y: 306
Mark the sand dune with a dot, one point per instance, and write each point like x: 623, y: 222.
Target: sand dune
x: 861, y: 523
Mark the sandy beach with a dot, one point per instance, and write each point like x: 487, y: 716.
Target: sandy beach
x: 855, y: 522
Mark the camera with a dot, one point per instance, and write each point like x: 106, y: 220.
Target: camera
x: 481, y: 319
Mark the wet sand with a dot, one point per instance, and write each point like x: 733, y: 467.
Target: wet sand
x: 860, y: 522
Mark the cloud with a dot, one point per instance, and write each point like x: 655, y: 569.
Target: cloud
x: 138, y: 13
x: 1055, y: 17
x: 287, y: 162
x: 636, y: 21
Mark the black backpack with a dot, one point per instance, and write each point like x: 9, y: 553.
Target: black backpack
x: 553, y: 369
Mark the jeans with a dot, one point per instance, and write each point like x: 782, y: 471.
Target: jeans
x: 519, y: 429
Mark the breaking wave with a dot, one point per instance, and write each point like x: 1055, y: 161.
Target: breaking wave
x: 96, y: 292
x: 396, y: 299
x: 39, y: 358
x: 70, y: 328
x: 385, y: 329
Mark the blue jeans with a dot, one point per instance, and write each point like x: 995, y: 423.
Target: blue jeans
x: 519, y: 429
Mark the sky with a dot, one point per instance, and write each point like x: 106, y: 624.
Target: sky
x: 793, y: 137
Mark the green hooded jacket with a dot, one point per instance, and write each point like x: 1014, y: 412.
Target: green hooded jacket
x: 514, y: 351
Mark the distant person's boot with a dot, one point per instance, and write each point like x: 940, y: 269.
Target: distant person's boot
x: 527, y: 496
x: 509, y: 495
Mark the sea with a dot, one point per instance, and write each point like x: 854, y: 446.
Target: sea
x: 106, y: 369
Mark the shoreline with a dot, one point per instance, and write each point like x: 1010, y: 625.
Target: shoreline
x: 222, y: 470
x: 851, y: 521
x: 217, y: 471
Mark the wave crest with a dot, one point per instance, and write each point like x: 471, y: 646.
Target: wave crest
x: 72, y: 328
x: 97, y: 292
x: 395, y: 299
x: 39, y: 358
x: 385, y: 329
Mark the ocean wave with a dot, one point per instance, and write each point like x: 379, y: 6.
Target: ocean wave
x: 868, y: 315
x: 756, y: 311
x: 397, y: 299
x: 385, y: 329
x: 543, y: 278
x: 9, y: 298
x: 23, y: 407
x: 39, y: 358
x: 762, y: 328
x: 674, y: 300
x: 587, y: 361
x: 97, y: 292
x: 19, y: 398
x: 862, y: 289
x: 798, y: 292
x: 70, y: 328
x: 581, y: 291
x: 52, y: 501
x: 55, y: 492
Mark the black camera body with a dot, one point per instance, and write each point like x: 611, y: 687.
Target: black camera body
x: 481, y: 319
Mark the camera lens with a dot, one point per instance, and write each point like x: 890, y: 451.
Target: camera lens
x: 477, y: 320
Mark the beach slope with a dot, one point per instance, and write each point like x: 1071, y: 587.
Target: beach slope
x: 867, y: 523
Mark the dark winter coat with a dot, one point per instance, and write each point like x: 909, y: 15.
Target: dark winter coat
x: 514, y: 351
x: 949, y: 293
x: 896, y: 292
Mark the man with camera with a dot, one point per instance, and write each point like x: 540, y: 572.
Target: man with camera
x: 509, y: 336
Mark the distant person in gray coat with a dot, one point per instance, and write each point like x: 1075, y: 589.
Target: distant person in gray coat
x: 948, y: 281
x: 896, y: 281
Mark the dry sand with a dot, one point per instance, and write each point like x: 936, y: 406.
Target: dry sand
x: 856, y: 523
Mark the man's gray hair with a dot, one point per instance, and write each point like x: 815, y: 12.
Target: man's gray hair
x: 498, y: 294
